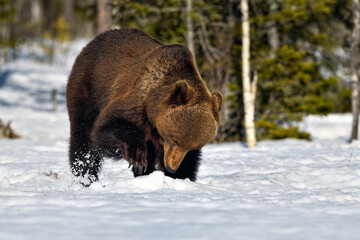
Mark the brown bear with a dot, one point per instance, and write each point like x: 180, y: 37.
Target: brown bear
x: 131, y: 96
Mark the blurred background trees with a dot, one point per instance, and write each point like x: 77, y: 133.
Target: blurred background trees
x: 300, y: 49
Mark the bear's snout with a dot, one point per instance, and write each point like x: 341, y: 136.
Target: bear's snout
x: 173, y: 157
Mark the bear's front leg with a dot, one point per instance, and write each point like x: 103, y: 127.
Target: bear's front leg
x: 114, y: 134
x: 158, y: 150
x: 135, y: 152
x: 85, y: 163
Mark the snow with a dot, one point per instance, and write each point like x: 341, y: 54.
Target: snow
x: 331, y: 127
x: 286, y: 189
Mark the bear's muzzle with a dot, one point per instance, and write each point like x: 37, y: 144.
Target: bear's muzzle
x: 174, y: 156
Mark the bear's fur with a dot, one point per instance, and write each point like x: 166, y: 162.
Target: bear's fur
x: 130, y: 96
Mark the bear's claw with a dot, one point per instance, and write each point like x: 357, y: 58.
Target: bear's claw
x: 139, y: 168
x: 136, y: 156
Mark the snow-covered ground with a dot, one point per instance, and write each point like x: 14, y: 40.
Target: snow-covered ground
x: 288, y: 189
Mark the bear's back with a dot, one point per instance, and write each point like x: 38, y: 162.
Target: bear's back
x: 127, y: 42
x: 107, y: 56
x: 116, y: 48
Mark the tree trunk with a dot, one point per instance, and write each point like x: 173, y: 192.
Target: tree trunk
x: 189, y: 28
x: 69, y: 11
x: 103, y: 15
x: 69, y: 15
x: 273, y: 35
x: 248, y: 88
x: 53, y: 100
x: 354, y: 50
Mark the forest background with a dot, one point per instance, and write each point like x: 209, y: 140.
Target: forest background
x: 299, y: 51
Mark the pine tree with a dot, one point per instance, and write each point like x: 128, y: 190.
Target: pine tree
x: 291, y: 36
x: 7, y: 19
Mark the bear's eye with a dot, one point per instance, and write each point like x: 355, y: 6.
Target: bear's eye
x: 174, y: 141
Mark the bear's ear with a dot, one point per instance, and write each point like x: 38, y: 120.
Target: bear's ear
x: 217, y: 99
x: 181, y: 93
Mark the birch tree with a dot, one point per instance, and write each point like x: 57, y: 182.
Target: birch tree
x: 354, y: 50
x: 189, y: 28
x: 249, y: 88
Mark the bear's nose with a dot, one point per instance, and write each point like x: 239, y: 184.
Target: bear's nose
x: 169, y: 169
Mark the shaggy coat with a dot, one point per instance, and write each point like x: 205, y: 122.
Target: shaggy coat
x: 130, y: 96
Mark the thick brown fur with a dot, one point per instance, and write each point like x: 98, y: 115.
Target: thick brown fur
x: 130, y: 96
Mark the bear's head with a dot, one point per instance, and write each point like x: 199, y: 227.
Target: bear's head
x: 188, y: 121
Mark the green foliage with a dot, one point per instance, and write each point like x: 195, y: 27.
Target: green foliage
x: 7, y: 11
x: 86, y: 9
x: 291, y: 80
x: 55, y: 39
x: 341, y: 97
x: 290, y: 83
x: 61, y: 30
x: 160, y: 18
x: 272, y: 130
x: 7, y: 16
